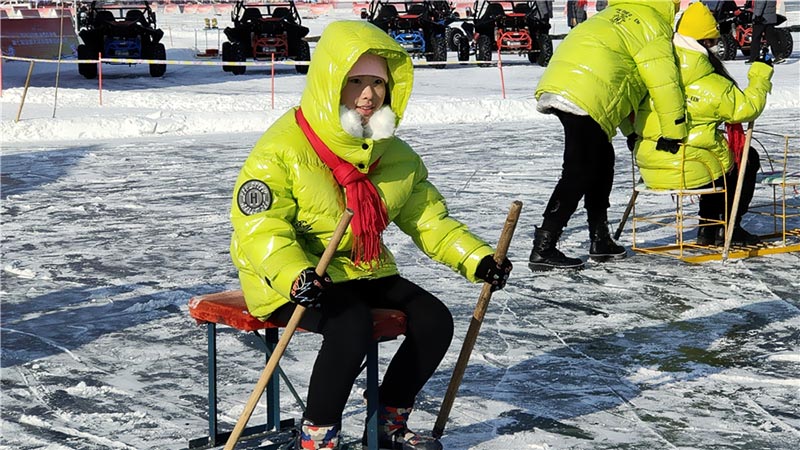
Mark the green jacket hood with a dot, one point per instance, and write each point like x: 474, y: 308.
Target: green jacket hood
x: 338, y: 49
x: 665, y: 8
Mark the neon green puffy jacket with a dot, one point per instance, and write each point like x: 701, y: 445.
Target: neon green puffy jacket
x: 711, y: 99
x: 271, y: 246
x: 609, y: 63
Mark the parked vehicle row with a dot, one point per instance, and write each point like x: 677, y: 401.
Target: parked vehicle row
x: 427, y: 29
x: 430, y: 28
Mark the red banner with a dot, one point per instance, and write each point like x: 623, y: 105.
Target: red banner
x: 37, y: 38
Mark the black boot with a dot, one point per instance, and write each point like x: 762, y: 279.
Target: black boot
x: 744, y: 237
x: 545, y: 255
x: 603, y: 247
x: 709, y: 234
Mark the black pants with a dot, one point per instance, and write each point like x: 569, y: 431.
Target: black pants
x: 712, y: 206
x: 345, y: 322
x: 587, y: 171
x: 768, y: 31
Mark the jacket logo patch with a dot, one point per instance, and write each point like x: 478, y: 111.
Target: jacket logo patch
x: 254, y: 197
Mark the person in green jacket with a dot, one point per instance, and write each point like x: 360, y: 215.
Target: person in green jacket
x: 596, y: 79
x: 338, y: 150
x: 712, y: 98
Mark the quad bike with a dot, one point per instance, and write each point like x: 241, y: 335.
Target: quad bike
x: 736, y: 28
x: 515, y: 27
x: 261, y: 31
x: 131, y: 33
x: 419, y: 26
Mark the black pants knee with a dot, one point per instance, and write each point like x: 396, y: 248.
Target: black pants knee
x: 587, y: 172
x: 712, y: 206
x: 345, y: 322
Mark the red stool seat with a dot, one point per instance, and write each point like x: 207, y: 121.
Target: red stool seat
x: 229, y: 308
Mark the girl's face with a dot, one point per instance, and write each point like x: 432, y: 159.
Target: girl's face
x: 364, y: 94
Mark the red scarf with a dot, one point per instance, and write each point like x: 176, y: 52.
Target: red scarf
x: 369, y: 212
x: 736, y: 138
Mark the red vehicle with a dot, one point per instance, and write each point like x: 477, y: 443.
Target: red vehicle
x: 736, y: 28
x: 261, y: 31
x: 516, y: 27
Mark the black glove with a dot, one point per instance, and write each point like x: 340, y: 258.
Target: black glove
x: 668, y: 145
x: 631, y: 141
x: 766, y: 59
x: 495, y: 274
x: 759, y: 19
x: 308, y: 288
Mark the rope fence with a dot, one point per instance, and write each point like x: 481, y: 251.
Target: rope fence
x: 99, y: 61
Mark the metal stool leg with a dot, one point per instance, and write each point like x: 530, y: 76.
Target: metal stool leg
x: 372, y: 396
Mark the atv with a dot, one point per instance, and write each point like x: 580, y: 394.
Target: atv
x: 131, y: 33
x: 419, y: 26
x: 515, y: 27
x: 736, y: 30
x: 263, y: 31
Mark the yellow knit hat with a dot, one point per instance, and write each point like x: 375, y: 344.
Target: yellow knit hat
x: 698, y: 23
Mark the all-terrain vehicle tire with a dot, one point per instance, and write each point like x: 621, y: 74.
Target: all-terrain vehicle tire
x: 785, y: 43
x: 227, y: 55
x: 463, y: 48
x: 88, y: 70
x: 438, y: 51
x: 726, y: 49
x: 483, y: 50
x: 237, y: 54
x: 544, y: 44
x: 159, y: 54
x: 453, y: 36
x: 303, y: 54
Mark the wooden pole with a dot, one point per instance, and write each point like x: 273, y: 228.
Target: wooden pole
x: 627, y: 213
x: 737, y: 196
x: 25, y: 91
x: 502, y: 78
x: 272, y: 67
x: 60, y: 48
x: 283, y: 342
x: 100, y: 76
x: 475, y: 323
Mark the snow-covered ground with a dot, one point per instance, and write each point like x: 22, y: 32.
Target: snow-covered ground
x: 114, y: 215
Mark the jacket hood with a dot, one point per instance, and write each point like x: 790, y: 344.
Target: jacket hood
x: 338, y: 49
x: 692, y: 59
x: 665, y: 8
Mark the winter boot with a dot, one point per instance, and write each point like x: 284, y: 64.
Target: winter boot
x: 744, y: 237
x: 602, y: 247
x: 313, y: 437
x: 545, y: 255
x: 708, y: 234
x: 393, y: 432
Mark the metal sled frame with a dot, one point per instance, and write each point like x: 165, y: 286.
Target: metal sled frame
x: 782, y: 204
x: 679, y: 221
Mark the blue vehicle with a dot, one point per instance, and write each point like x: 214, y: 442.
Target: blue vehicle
x: 419, y: 26
x: 125, y: 31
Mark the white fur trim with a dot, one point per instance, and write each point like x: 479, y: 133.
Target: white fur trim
x: 686, y: 42
x: 351, y: 121
x: 380, y: 126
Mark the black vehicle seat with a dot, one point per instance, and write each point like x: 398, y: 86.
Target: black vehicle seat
x: 134, y: 15
x: 521, y: 8
x: 387, y: 12
x: 282, y: 12
x: 250, y: 15
x: 417, y: 9
x: 493, y: 10
x: 104, y: 16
